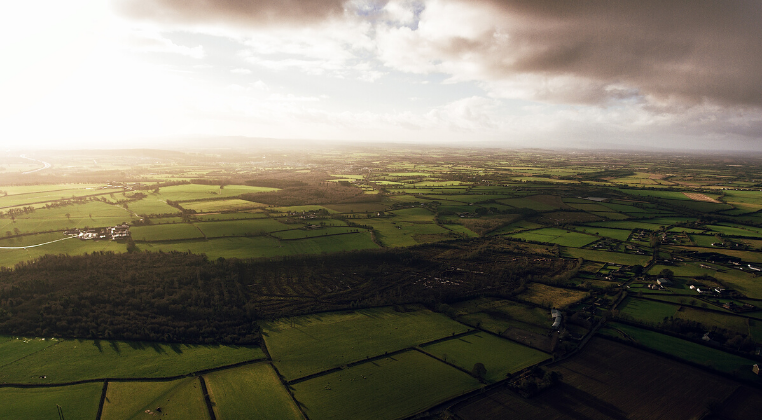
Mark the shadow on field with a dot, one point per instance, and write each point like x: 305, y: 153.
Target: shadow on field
x: 568, y: 399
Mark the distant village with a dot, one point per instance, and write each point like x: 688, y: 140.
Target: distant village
x: 114, y: 233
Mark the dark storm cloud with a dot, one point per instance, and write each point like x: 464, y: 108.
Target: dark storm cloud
x: 232, y: 11
x: 692, y: 50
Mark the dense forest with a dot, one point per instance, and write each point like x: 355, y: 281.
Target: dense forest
x: 183, y: 297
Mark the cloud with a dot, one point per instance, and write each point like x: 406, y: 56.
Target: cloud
x: 260, y: 12
x: 595, y: 51
x: 241, y: 71
x: 153, y: 42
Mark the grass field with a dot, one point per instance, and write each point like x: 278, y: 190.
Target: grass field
x: 91, y: 214
x: 396, y: 234
x: 73, y: 246
x: 537, y: 202
x: 322, y: 341
x: 556, y: 236
x: 551, y: 297
x: 151, y: 205
x: 232, y: 204
x: 313, y: 233
x: 744, y: 282
x: 627, y: 225
x: 462, y: 229
x: 76, y: 401
x: 496, y: 315
x: 250, y: 392
x: 419, y: 215
x: 197, y: 192
x: 606, y: 256
x: 499, y: 356
x: 73, y: 360
x: 686, y: 350
x: 243, y: 227
x: 618, y: 234
x: 50, y: 195
x: 647, y: 310
x: 180, y: 399
x: 258, y: 247
x: 173, y: 232
x: 389, y: 388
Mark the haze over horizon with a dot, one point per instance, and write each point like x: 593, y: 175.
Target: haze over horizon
x: 680, y: 75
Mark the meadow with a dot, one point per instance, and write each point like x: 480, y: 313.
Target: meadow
x: 606, y: 256
x: 210, y: 206
x: 302, y: 346
x: 189, y: 192
x: 173, y: 232
x: 389, y: 388
x: 76, y: 402
x: 556, y: 236
x: 74, y: 360
x: 551, y: 297
x: 251, y: 227
x: 499, y: 356
x: 181, y: 398
x: 647, y: 310
x: 250, y: 392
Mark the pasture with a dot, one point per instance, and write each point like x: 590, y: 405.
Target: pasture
x: 686, y: 350
x: 397, y: 234
x: 618, y: 234
x: 189, y: 192
x: 389, y: 388
x: 179, y: 399
x: 556, y: 236
x: 169, y: 232
x: 551, y: 297
x: 210, y: 206
x: 301, y: 346
x: 496, y: 315
x: 647, y: 310
x: 90, y: 214
x: 251, y: 227
x: 606, y: 256
x: 69, y: 246
x: 148, y: 206
x: 250, y: 392
x: 536, y: 202
x: 76, y: 401
x: 312, y: 233
x: 74, y: 360
x: 500, y: 356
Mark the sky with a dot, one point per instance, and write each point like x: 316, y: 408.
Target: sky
x: 680, y: 74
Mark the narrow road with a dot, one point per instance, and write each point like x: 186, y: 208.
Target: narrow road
x: 46, y: 165
x: 35, y: 245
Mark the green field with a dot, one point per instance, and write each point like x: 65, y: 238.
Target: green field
x: 419, y: 215
x: 618, y: 234
x: 252, y: 227
x: 74, y: 360
x: 221, y: 205
x: 309, y: 344
x: 396, y: 234
x: 556, y: 236
x: 70, y: 246
x: 78, y: 402
x: 152, y: 205
x: 179, y: 399
x: 551, y: 297
x: 199, y: 192
x: 91, y: 214
x: 683, y: 349
x: 498, y: 355
x: 173, y: 232
x: 744, y: 282
x: 258, y: 247
x: 539, y: 203
x: 646, y: 310
x: 312, y: 233
x: 250, y: 392
x: 388, y: 388
x: 497, y: 315
x: 627, y: 225
x: 51, y: 194
x: 606, y: 256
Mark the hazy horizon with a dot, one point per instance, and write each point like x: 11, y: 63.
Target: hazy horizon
x: 646, y: 76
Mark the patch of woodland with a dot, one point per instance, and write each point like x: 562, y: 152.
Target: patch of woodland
x: 322, y: 193
x: 183, y: 297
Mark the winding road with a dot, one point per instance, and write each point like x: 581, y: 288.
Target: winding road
x: 46, y: 165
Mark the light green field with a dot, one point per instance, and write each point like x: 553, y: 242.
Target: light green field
x: 556, y: 236
x: 402, y: 233
x: 606, y: 256
x: 741, y: 281
x: 15, y: 348
x: 312, y: 233
x: 646, y: 310
x: 28, y: 189
x: 260, y: 246
x: 417, y: 214
x: 618, y: 234
x: 551, y: 297
x: 152, y: 205
x: 498, y: 355
x: 73, y: 360
x: 735, y: 231
x: 72, y: 246
x: 232, y: 204
x: 78, y: 402
x: 318, y: 342
x: 50, y: 195
x: 180, y: 399
x: 198, y: 192
x: 230, y: 216
x: 250, y: 392
x: 91, y: 214
x: 686, y: 350
x: 673, y: 195
x: 173, y: 232
x: 389, y: 388
x: 243, y: 227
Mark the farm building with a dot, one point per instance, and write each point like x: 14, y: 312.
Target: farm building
x: 556, y: 314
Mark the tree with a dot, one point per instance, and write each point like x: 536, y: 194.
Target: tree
x: 637, y: 269
x: 479, y: 371
x: 667, y: 273
x: 68, y: 216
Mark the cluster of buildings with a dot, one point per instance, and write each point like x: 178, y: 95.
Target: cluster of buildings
x: 114, y: 233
